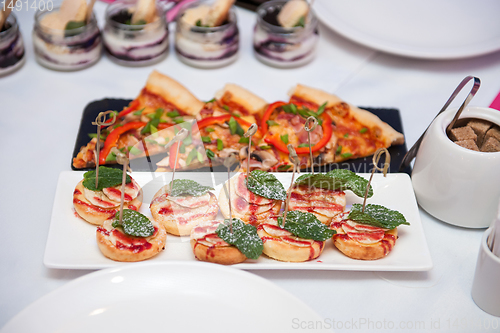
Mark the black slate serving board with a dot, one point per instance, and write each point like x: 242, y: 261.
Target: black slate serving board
x: 360, y: 165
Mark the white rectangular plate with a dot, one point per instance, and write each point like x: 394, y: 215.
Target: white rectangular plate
x: 71, y: 242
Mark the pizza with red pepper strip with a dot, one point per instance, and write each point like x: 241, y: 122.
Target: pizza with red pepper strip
x: 343, y: 131
x: 217, y: 127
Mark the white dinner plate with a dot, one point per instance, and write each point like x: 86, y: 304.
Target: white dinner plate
x: 71, y: 242
x: 431, y: 29
x: 165, y: 297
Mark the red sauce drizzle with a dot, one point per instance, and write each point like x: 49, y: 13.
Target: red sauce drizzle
x: 77, y: 192
x: 117, y: 192
x: 103, y: 231
x: 111, y: 212
x: 134, y: 244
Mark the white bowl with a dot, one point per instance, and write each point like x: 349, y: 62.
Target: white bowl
x: 455, y: 184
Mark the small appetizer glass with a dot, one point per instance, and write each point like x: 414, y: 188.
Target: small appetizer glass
x: 134, y: 45
x: 282, y: 47
x: 66, y: 50
x: 207, y: 47
x: 11, y: 47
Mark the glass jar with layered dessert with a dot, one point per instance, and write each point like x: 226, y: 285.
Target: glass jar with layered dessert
x: 207, y: 34
x: 286, y: 33
x: 11, y: 47
x: 135, y: 33
x: 66, y: 39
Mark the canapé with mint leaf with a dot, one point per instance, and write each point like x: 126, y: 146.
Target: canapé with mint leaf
x: 133, y: 238
x: 254, y: 199
x: 297, y: 238
x: 367, y: 235
x: 323, y: 194
x: 225, y: 242
x: 183, y: 204
x: 97, y: 204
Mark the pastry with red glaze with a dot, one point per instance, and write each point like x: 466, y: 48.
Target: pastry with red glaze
x: 218, y: 242
x: 183, y: 207
x: 367, y: 236
x: 136, y: 239
x: 95, y: 205
x: 255, y: 203
x: 322, y: 194
x: 301, y: 239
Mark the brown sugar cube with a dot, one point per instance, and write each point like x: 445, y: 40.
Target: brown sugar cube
x: 491, y: 145
x: 469, y: 144
x: 463, y: 133
x: 493, y: 132
x: 480, y: 127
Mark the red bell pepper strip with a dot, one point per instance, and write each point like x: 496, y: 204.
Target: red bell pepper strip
x: 275, y: 139
x: 269, y: 111
x: 112, y: 138
x: 133, y: 106
x: 222, y: 119
x: 171, y: 156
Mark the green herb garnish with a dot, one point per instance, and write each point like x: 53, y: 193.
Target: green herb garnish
x: 339, y: 149
x: 266, y: 185
x: 225, y: 107
x: 210, y: 154
x: 191, y: 156
x: 303, y: 145
x: 138, y: 113
x: 363, y: 130
x: 306, y: 225
x: 284, y: 167
x: 265, y: 147
x: 71, y: 26
x: 346, y: 155
x: 337, y: 179
x: 243, y: 236
x: 377, y: 216
x: 244, y: 140
x: 220, y: 145
x: 108, y: 177
x: 272, y: 123
x: 301, y: 22
x: 206, y: 139
x: 173, y: 114
x: 209, y: 130
x: 235, y: 128
x: 185, y: 187
x: 134, y: 223
x: 284, y: 138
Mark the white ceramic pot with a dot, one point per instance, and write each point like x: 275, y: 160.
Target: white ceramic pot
x: 455, y: 184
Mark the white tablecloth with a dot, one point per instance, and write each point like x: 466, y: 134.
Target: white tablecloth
x: 40, y: 116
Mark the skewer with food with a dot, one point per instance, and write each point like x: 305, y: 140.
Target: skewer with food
x: 129, y: 235
x: 368, y: 232
x: 296, y: 236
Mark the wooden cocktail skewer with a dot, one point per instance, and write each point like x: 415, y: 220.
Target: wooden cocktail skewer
x: 309, y: 126
x: 90, y: 7
x: 251, y: 131
x: 376, y: 158
x: 179, y: 137
x: 230, y: 160
x: 295, y: 160
x: 121, y: 158
x: 100, y: 121
x: 7, y: 6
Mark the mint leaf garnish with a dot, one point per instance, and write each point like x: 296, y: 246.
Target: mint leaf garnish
x: 377, y: 216
x: 244, y: 237
x: 266, y: 185
x: 74, y: 25
x: 108, y: 177
x: 353, y: 182
x: 184, y: 187
x: 134, y: 223
x: 338, y: 179
x: 306, y: 225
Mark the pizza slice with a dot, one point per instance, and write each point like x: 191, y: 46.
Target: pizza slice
x: 162, y: 103
x: 343, y: 132
x: 220, y: 126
